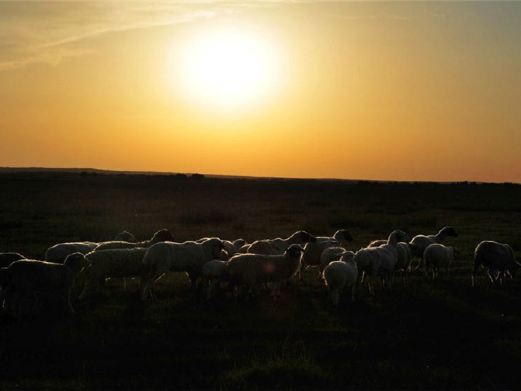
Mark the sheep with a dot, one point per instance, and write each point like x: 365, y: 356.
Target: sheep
x: 380, y: 261
x: 498, y: 258
x: 162, y: 235
x: 7, y: 258
x: 213, y: 272
x: 251, y: 269
x: 312, y: 254
x: 188, y: 257
x: 329, y: 255
x: 342, y: 237
x: 26, y: 279
x: 340, y: 275
x: 403, y: 262
x: 125, y: 236
x: 420, y: 242
x: 437, y: 255
x: 116, y: 263
x: 60, y: 251
x: 277, y: 246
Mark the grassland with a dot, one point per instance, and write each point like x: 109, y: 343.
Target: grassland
x: 440, y: 334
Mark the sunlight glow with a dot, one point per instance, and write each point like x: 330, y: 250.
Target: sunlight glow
x: 227, y: 69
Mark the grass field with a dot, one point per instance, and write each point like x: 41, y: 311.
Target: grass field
x: 440, y: 334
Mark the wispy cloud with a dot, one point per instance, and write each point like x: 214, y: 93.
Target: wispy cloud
x: 52, y: 32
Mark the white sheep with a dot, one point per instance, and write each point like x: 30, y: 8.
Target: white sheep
x: 403, y: 262
x: 233, y: 248
x: 497, y: 258
x: 278, y: 246
x: 117, y: 263
x: 27, y: 279
x: 248, y: 270
x: 188, y: 257
x: 60, y: 251
x: 380, y: 261
x: 342, y: 237
x: 340, y: 275
x: 329, y: 255
x: 436, y: 256
x: 7, y: 258
x: 162, y: 235
x: 420, y: 242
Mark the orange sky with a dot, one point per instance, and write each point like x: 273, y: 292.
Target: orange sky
x: 403, y: 91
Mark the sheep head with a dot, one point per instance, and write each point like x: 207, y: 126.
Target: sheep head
x: 343, y: 235
x: 163, y: 235
x: 214, y: 245
x: 75, y: 261
x: 125, y: 236
x: 238, y: 243
x: 449, y: 231
x: 397, y: 236
x: 294, y: 251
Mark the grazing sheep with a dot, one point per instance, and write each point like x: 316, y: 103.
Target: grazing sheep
x: 250, y: 269
x: 60, y: 251
x: 277, y: 246
x: 380, y: 261
x: 188, y: 257
x: 340, y: 275
x: 117, y: 263
x: 125, y: 236
x: 162, y: 235
x: 27, y: 279
x: 213, y: 273
x: 498, y: 259
x: 420, y: 242
x: 7, y: 258
x: 312, y: 253
x: 435, y: 256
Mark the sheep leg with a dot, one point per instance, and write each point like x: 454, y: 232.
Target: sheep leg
x: 335, y: 297
x: 353, y: 293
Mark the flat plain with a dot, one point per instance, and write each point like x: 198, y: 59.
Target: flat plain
x: 427, y: 334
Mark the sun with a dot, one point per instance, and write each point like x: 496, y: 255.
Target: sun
x: 227, y: 69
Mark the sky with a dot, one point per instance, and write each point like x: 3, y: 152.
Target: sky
x: 384, y: 91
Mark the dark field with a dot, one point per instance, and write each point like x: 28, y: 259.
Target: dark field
x: 440, y: 334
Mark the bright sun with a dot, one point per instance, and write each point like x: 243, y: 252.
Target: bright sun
x: 227, y: 69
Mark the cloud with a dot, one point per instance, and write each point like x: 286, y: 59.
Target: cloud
x: 53, y: 32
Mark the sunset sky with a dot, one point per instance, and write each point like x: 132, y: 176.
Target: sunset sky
x: 405, y: 91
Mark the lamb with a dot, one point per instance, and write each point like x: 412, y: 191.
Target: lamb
x: 437, y: 255
x: 380, y: 261
x: 277, y: 246
x: 125, y: 236
x: 27, y: 279
x: 340, y: 275
x: 251, y: 269
x: 7, y: 258
x: 498, y: 258
x: 162, y: 235
x: 188, y: 257
x: 420, y: 242
x: 117, y: 263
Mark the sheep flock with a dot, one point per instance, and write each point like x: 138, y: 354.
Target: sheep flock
x: 236, y: 270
